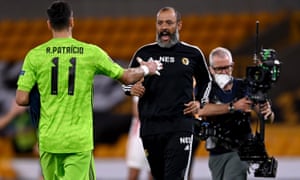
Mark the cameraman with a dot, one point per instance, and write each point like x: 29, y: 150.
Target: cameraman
x: 228, y: 113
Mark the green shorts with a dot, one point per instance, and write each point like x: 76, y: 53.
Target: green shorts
x: 68, y: 166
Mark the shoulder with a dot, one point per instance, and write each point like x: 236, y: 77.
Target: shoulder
x: 191, y: 47
x: 36, y: 52
x: 149, y: 46
x: 86, y: 44
x: 144, y: 51
x: 91, y: 48
x: 191, y: 51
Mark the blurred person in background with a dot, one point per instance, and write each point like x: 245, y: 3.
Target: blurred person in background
x: 228, y: 109
x: 63, y: 70
x: 14, y: 111
x: 6, y: 152
x: 135, y: 156
x: 166, y: 132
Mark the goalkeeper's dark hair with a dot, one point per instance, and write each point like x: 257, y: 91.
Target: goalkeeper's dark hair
x: 59, y: 14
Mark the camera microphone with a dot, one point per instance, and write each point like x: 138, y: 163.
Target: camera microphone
x: 255, y: 58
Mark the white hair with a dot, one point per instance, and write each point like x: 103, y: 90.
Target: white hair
x: 221, y: 52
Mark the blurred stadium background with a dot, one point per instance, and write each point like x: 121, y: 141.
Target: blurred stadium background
x: 122, y: 26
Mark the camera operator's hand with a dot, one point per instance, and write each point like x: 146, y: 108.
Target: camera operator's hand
x: 244, y: 104
x: 137, y: 89
x: 266, y: 111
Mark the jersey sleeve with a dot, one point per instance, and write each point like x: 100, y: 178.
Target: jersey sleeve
x: 27, y: 76
x: 105, y: 65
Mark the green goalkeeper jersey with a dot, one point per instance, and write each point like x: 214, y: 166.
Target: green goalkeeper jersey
x: 64, y: 70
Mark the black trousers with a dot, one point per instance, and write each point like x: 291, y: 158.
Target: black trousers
x: 169, y: 155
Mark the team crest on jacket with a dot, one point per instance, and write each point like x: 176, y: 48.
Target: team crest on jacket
x: 185, y: 61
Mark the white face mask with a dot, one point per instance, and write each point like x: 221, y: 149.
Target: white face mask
x: 222, y: 79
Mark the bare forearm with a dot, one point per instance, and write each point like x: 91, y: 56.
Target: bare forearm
x: 132, y: 75
x: 213, y: 109
x: 22, y: 98
x: 243, y: 104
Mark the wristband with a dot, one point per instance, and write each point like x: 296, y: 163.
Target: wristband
x: 231, y: 108
x: 145, y: 69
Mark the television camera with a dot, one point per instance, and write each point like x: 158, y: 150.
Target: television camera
x: 259, y: 80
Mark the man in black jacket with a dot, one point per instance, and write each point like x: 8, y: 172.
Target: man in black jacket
x: 166, y: 132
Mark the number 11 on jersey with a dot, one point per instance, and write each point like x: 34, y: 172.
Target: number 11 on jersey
x: 54, y: 76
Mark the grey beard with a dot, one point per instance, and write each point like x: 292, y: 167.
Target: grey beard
x: 174, y: 40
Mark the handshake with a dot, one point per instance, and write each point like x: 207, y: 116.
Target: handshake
x: 150, y: 67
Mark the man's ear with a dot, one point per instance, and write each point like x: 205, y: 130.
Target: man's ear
x: 179, y: 25
x: 49, y: 25
x: 232, y: 66
x: 71, y: 22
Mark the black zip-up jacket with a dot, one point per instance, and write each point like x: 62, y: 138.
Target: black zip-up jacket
x: 161, y: 106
